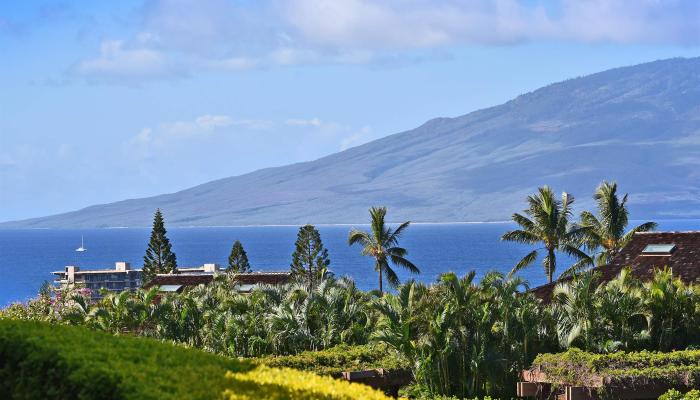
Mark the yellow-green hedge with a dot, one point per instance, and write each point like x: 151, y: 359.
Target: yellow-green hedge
x: 284, y: 383
x: 44, y: 361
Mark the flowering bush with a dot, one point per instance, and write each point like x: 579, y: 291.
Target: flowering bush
x: 68, y: 305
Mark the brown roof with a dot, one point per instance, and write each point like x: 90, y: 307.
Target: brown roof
x: 684, y: 260
x: 250, y: 278
x: 267, y: 278
x: 180, y: 279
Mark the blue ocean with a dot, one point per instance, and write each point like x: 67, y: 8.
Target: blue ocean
x: 28, y: 256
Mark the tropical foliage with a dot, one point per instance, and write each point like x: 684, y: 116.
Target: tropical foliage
x: 605, y: 233
x: 460, y: 336
x: 674, y: 394
x: 382, y: 244
x: 341, y: 358
x: 625, y: 314
x: 546, y: 223
x: 623, y: 369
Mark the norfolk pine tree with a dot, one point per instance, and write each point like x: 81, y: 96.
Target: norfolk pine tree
x: 238, y: 260
x: 159, y: 258
x: 310, y: 259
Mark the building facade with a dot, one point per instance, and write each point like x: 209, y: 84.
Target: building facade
x: 121, y: 278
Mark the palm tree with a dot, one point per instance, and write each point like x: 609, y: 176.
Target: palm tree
x: 382, y: 243
x: 620, y: 305
x: 607, y: 230
x: 547, y: 222
x: 573, y: 303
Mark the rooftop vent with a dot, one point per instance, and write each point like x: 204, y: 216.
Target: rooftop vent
x: 659, y: 249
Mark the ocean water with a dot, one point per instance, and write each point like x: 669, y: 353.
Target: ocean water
x: 27, y: 256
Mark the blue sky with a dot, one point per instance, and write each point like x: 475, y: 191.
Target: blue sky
x: 103, y: 101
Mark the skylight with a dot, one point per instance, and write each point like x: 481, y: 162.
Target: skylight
x: 659, y: 249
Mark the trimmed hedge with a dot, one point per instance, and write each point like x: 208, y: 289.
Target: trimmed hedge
x: 40, y: 360
x: 673, y: 394
x: 576, y: 367
x: 278, y: 384
x: 339, y: 359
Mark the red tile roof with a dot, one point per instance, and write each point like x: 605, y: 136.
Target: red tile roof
x: 684, y: 260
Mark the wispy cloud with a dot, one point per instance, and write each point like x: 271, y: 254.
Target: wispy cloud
x: 176, y: 37
x: 116, y: 61
x: 345, y: 136
x: 150, y: 141
x: 304, y: 122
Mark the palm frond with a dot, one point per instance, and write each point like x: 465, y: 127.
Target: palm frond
x: 391, y: 277
x: 520, y: 236
x: 645, y: 227
x: 357, y: 236
x: 402, y: 262
x: 394, y: 236
x: 524, y: 262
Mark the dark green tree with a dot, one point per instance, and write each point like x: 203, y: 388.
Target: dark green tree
x: 238, y: 260
x: 310, y: 258
x: 159, y: 258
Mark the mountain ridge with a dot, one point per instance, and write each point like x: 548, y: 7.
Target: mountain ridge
x: 638, y: 125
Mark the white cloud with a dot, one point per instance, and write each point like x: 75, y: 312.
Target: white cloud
x: 344, y: 135
x: 304, y: 122
x: 210, y: 122
x: 149, y: 140
x: 357, y: 138
x: 396, y: 25
x: 175, y: 37
x: 118, y: 61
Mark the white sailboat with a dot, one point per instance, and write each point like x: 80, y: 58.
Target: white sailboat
x: 82, y: 245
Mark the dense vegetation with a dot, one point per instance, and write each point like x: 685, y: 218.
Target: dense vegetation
x: 674, y: 394
x: 579, y: 368
x: 38, y: 361
x: 338, y: 359
x: 458, y: 336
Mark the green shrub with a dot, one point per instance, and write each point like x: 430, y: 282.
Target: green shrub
x: 673, y: 394
x: 341, y: 358
x: 277, y: 384
x: 577, y: 367
x: 40, y: 360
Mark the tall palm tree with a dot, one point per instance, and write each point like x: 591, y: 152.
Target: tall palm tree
x: 607, y: 230
x: 382, y: 243
x: 546, y: 221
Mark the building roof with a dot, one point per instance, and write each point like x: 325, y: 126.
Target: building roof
x: 261, y: 277
x: 250, y: 278
x: 99, y: 271
x: 643, y: 256
x: 179, y: 279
